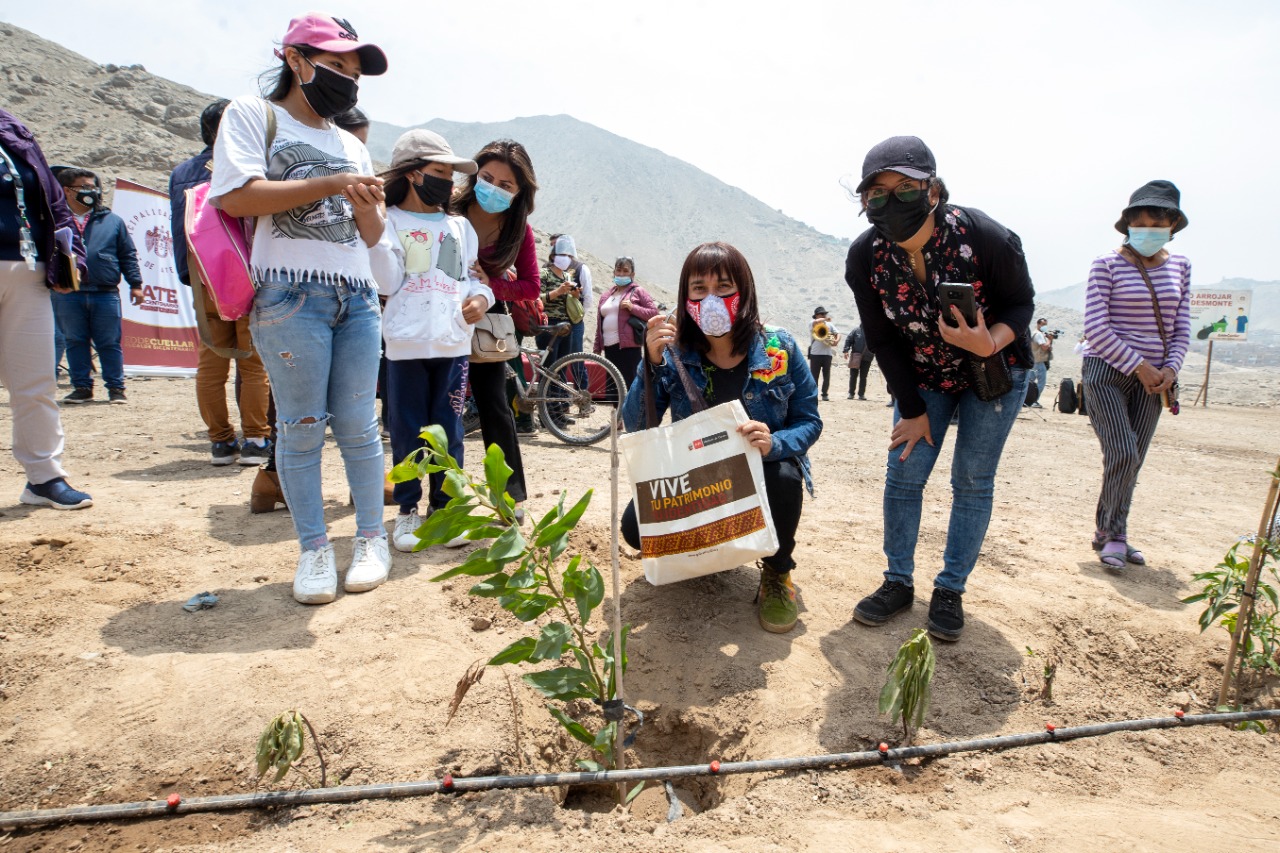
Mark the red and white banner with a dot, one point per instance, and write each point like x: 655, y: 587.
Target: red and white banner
x: 159, y: 336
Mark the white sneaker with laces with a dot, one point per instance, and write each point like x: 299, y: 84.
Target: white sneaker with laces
x: 316, y: 581
x: 458, y: 542
x: 404, y: 534
x: 370, y: 564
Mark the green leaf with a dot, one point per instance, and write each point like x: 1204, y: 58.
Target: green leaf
x: 517, y: 652
x: 589, y: 766
x: 572, y: 726
x: 551, y: 641
x: 404, y: 472
x: 476, y: 565
x: 490, y: 587
x: 435, y: 437
x: 507, y: 547
x: 444, y: 524
x: 563, y: 683
x: 496, y: 471
x: 566, y: 522
x: 632, y: 794
x: 526, y: 577
x: 604, y: 739
x: 558, y: 547
x: 456, y: 484
x: 526, y: 608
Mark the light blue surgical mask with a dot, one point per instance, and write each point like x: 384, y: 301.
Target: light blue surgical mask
x: 1148, y: 241
x: 492, y: 199
x: 622, y: 280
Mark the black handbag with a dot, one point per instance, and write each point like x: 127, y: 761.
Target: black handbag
x: 989, y: 377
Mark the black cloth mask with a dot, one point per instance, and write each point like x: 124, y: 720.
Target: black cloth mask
x: 89, y: 198
x: 898, y: 220
x: 434, y: 191
x: 330, y: 93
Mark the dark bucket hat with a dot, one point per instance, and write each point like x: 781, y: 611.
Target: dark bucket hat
x: 1154, y: 194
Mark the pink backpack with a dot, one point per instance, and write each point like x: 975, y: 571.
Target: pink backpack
x: 219, y: 252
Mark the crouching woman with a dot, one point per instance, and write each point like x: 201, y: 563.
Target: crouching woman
x: 730, y: 355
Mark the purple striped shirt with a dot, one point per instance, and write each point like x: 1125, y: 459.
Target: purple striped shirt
x: 1119, y: 322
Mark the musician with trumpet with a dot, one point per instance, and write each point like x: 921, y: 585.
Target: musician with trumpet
x: 822, y: 347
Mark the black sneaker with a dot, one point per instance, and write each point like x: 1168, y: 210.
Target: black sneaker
x: 116, y: 395
x: 885, y: 603
x: 224, y: 452
x: 946, y: 615
x: 255, y: 451
x: 79, y: 395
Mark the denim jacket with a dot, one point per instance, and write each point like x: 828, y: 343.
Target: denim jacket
x: 780, y: 393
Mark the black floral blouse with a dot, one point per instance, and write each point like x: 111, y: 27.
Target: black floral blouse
x: 900, y: 314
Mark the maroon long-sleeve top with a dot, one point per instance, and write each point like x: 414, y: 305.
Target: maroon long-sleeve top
x: 528, y: 281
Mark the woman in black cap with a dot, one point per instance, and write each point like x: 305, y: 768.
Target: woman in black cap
x: 918, y: 244
x: 1138, y: 325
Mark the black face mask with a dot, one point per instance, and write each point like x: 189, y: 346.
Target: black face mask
x: 89, y: 198
x: 330, y: 93
x: 898, y: 221
x: 433, y: 191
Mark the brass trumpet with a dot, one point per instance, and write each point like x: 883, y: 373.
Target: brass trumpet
x: 822, y: 332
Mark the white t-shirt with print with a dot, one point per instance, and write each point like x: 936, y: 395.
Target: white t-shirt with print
x: 423, y: 264
x: 317, y: 240
x: 609, y: 308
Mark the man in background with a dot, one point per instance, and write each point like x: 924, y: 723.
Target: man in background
x: 92, y: 314
x: 212, y: 369
x: 857, y: 354
x: 1041, y: 353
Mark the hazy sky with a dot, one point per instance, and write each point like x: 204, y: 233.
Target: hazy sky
x: 1046, y: 115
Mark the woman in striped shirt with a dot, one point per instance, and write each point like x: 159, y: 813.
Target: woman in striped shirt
x: 1137, y: 340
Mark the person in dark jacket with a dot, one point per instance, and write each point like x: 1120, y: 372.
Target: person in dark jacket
x: 856, y: 344
x: 32, y: 212
x: 93, y: 314
x: 253, y: 391
x: 919, y: 242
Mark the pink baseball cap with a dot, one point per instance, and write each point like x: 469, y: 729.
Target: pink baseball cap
x: 335, y: 35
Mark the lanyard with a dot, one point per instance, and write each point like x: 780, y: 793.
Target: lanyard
x: 26, y: 245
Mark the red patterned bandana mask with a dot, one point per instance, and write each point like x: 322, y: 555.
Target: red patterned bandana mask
x: 714, y: 316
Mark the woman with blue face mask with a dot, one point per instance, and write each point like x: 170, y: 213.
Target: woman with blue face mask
x: 730, y: 355
x: 615, y: 338
x: 497, y: 201
x: 1138, y: 328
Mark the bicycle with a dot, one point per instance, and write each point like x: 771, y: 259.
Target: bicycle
x: 575, y: 415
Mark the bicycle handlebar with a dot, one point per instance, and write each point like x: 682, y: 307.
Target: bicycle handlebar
x: 556, y: 330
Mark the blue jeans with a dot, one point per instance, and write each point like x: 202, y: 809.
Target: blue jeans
x: 320, y: 344
x: 86, y: 317
x: 577, y: 335
x: 420, y: 392
x: 980, y: 436
x: 1042, y: 376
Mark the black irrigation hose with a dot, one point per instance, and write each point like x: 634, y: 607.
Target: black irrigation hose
x: 450, y: 785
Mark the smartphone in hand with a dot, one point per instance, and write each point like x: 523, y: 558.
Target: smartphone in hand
x: 960, y: 295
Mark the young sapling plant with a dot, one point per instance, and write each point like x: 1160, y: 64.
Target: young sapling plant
x: 906, y: 693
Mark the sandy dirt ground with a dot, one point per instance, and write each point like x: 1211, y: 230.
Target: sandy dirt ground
x: 110, y: 692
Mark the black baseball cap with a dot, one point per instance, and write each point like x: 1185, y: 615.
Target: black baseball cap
x: 907, y: 155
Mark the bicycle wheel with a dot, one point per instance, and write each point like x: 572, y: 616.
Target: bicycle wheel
x: 578, y: 415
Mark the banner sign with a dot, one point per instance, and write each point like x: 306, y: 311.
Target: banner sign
x: 1220, y: 315
x: 159, y: 336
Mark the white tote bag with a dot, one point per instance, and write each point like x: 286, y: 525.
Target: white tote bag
x: 699, y: 494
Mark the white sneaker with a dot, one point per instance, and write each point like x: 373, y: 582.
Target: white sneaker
x: 404, y: 534
x: 459, y: 541
x: 370, y: 564
x: 316, y: 581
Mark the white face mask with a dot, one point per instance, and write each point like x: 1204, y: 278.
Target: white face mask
x: 562, y: 262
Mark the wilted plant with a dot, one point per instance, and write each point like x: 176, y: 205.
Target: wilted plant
x: 524, y: 575
x: 1223, y: 591
x: 282, y: 744
x: 1048, y: 672
x: 906, y: 693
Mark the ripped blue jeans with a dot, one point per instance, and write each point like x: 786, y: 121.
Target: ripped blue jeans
x: 981, y: 430
x: 320, y: 344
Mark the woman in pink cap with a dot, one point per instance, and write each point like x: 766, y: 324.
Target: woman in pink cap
x: 315, y: 318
